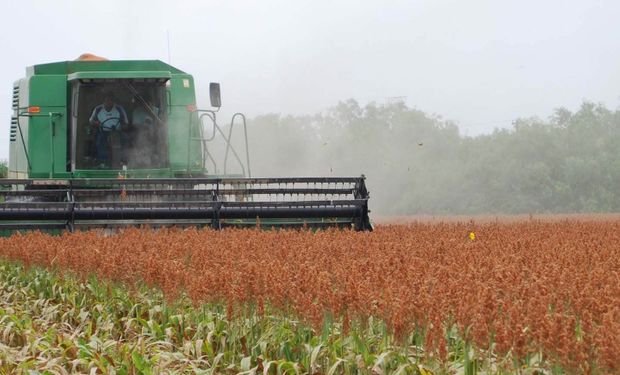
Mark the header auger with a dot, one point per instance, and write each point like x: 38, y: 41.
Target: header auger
x: 107, y: 144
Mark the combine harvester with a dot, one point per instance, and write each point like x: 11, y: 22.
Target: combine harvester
x: 73, y: 166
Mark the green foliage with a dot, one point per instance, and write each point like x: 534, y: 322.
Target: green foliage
x: 4, y: 169
x: 57, y: 323
x: 420, y: 164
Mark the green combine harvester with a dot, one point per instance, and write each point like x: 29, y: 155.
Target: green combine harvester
x: 111, y: 144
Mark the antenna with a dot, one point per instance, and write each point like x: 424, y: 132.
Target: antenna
x: 168, y: 39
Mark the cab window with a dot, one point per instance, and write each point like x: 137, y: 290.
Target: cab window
x: 119, y: 123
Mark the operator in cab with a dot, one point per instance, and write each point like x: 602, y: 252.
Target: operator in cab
x: 107, y: 118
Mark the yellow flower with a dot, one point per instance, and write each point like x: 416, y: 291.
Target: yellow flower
x: 472, y: 236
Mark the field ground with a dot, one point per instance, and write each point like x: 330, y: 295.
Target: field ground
x: 430, y: 296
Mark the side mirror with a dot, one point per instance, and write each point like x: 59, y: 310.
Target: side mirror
x: 214, y: 94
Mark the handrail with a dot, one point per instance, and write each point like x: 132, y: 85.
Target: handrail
x: 211, y: 116
x: 227, y: 139
x: 205, y: 150
x: 245, y: 134
x: 228, y: 145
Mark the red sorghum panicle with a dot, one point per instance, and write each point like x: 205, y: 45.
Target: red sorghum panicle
x: 521, y: 286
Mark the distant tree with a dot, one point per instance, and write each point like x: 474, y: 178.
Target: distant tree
x: 420, y: 164
x: 4, y: 169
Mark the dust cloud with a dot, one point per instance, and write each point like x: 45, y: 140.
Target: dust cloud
x: 420, y: 164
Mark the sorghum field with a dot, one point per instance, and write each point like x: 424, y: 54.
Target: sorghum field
x: 528, y: 296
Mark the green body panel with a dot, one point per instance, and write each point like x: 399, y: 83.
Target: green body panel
x: 185, y: 155
x: 18, y: 141
x: 48, y: 138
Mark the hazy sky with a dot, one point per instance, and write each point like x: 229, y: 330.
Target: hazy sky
x: 479, y: 63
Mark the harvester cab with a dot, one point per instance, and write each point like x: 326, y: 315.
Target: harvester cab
x: 118, y: 125
x: 106, y: 144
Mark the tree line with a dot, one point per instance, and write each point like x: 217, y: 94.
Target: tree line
x: 416, y: 163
